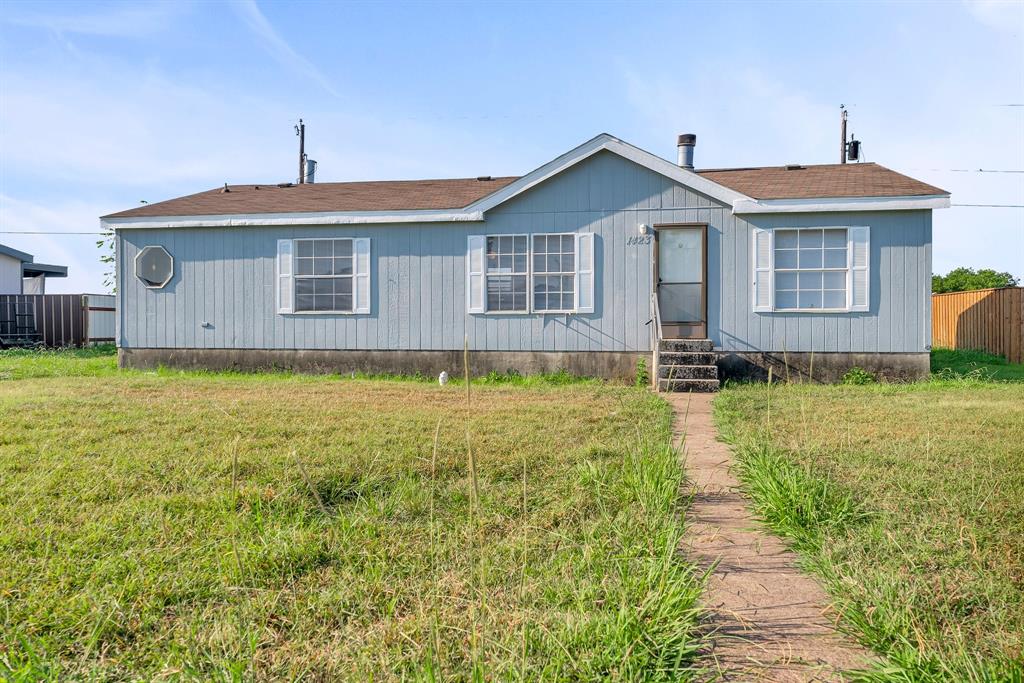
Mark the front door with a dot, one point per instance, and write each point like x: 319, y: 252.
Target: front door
x: 681, y: 277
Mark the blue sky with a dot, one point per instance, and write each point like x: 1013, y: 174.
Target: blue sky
x: 104, y: 105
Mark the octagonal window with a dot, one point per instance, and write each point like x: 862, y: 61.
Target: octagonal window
x: 154, y: 266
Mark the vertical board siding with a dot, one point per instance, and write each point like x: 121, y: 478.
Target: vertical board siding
x: 10, y: 275
x: 989, y: 320
x: 225, y: 277
x: 900, y: 278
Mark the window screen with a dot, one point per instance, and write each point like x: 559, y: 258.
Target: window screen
x: 323, y: 275
x: 506, y: 272
x: 554, y: 272
x: 811, y: 269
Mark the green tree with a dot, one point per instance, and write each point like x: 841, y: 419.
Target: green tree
x: 106, y: 247
x: 967, y: 279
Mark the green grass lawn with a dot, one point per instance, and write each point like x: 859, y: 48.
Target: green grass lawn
x: 953, y: 363
x: 909, y: 501
x: 90, y: 361
x: 165, y: 525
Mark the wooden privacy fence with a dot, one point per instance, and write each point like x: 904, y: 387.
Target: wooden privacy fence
x: 989, y: 320
x: 56, y: 319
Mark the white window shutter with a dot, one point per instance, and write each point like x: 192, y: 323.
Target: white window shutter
x: 585, y: 272
x: 361, y: 271
x: 860, y: 268
x: 764, y: 290
x: 284, y: 277
x: 476, y: 247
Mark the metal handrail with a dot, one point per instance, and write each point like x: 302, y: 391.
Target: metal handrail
x: 655, y: 337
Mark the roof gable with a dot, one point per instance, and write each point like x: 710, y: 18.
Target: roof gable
x: 624, y: 149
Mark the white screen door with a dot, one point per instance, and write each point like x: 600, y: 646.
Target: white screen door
x: 681, y: 281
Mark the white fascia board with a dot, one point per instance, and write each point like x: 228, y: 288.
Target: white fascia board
x: 623, y: 149
x: 304, y: 218
x: 906, y: 203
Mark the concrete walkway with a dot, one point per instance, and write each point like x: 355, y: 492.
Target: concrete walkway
x: 770, y: 621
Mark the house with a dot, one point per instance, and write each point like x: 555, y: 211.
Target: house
x: 20, y: 274
x: 601, y: 257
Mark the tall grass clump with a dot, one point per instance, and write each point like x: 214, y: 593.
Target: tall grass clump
x: 640, y: 620
x: 791, y: 499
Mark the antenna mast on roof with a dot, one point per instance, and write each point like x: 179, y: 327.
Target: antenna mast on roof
x: 300, y: 130
x: 842, y: 134
x: 847, y: 150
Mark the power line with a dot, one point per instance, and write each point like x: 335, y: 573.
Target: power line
x: 44, y: 232
x: 964, y: 170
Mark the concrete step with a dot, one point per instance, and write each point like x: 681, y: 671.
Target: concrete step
x: 686, y: 345
x: 684, y: 385
x: 687, y: 358
x: 687, y: 372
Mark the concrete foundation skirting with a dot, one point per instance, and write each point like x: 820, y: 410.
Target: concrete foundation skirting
x: 605, y: 364
x: 828, y: 367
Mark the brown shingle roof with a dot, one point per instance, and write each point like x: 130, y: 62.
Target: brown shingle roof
x: 812, y: 182
x: 770, y: 182
x: 383, y: 195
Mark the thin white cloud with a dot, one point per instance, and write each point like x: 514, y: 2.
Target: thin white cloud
x: 1005, y: 16
x: 122, y: 20
x: 776, y: 124
x: 278, y: 47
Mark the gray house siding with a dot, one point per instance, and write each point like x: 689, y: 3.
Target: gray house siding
x: 10, y: 275
x: 225, y: 277
x: 899, y: 315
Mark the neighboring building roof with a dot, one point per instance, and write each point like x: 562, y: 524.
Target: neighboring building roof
x: 14, y: 253
x: 813, y: 182
x: 29, y: 268
x: 36, y: 269
x: 834, y: 187
x: 380, y: 195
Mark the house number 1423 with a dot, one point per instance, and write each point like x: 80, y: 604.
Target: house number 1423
x: 637, y: 240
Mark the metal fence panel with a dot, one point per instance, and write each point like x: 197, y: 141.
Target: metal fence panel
x: 58, y: 319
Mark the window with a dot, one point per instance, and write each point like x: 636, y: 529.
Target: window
x: 554, y: 272
x: 323, y: 275
x: 811, y: 269
x: 541, y: 273
x: 154, y: 267
x: 507, y: 273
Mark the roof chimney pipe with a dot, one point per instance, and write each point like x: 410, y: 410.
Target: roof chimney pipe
x: 686, y: 143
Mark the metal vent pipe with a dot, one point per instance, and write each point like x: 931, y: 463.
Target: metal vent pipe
x: 686, y: 143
